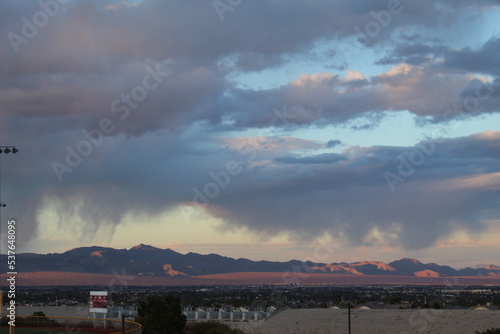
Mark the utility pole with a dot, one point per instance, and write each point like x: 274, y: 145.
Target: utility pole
x: 123, y: 321
x: 349, y: 318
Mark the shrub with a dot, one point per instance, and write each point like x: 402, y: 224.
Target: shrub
x: 490, y: 331
x: 212, y: 327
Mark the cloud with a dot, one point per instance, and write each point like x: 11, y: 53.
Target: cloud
x: 413, y: 54
x: 344, y: 195
x: 72, y: 84
x: 333, y: 143
x: 352, y: 197
x: 480, y: 60
x: 326, y: 158
x: 474, y: 60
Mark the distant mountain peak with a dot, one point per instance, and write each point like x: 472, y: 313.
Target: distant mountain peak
x: 408, y: 259
x: 491, y: 267
x: 143, y: 247
x: 87, y: 249
x: 379, y: 264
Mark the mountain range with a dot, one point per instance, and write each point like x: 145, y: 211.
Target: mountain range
x: 144, y: 260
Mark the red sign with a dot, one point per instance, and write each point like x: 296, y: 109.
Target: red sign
x: 99, y: 301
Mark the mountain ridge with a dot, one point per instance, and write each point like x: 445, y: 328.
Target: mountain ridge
x: 146, y: 260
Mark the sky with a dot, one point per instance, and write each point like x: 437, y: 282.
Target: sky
x: 277, y: 130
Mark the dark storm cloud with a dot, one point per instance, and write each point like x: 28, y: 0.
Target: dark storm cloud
x: 476, y: 60
x: 88, y: 54
x: 78, y: 68
x: 452, y: 188
x: 482, y: 60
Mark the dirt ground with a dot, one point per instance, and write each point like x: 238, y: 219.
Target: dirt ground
x: 61, y: 311
x: 322, y: 321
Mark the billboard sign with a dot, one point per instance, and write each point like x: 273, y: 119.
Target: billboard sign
x: 99, y: 301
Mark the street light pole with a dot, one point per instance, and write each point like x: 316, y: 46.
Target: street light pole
x: 6, y: 150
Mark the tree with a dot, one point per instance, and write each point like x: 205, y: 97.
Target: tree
x: 395, y: 300
x: 490, y: 331
x: 38, y: 314
x: 161, y: 316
